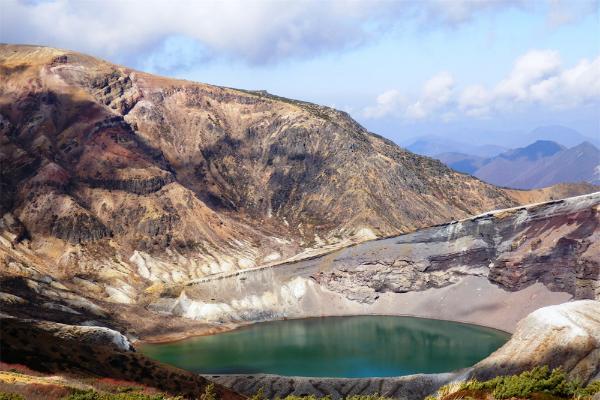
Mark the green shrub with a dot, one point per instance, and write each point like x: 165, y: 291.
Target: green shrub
x: 11, y: 396
x: 539, y: 380
x: 209, y: 392
x: 588, y: 391
x: 93, y: 395
x: 260, y: 395
x: 366, y: 397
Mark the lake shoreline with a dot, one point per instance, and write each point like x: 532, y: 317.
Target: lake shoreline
x: 215, y: 330
x: 336, y: 347
x: 473, y: 300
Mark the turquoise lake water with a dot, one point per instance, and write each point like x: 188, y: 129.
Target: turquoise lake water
x: 362, y: 346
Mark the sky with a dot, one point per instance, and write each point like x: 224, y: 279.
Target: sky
x: 483, y: 71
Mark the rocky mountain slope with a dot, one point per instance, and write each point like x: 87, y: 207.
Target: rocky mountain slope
x: 124, y: 178
x: 540, y: 164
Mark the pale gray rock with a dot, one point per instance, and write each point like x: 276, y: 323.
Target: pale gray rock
x: 565, y: 336
x: 410, y: 387
x: 90, y: 335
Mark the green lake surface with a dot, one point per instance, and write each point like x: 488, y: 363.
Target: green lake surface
x: 362, y: 346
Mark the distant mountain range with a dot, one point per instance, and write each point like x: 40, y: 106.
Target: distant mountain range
x: 542, y: 163
x: 492, y: 143
x: 560, y: 134
x: 432, y: 145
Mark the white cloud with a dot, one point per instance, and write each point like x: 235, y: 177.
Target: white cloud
x: 529, y: 69
x: 438, y: 90
x: 256, y: 31
x: 580, y: 84
x: 385, y: 104
x: 537, y: 78
x: 474, y: 101
x: 436, y: 93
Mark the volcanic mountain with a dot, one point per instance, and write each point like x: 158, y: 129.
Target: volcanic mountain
x: 101, y: 162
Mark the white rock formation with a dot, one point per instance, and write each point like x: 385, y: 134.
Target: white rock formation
x: 565, y: 335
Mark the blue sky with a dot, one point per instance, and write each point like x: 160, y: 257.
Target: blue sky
x: 402, y: 68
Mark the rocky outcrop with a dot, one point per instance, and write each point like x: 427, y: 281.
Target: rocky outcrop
x: 137, y: 186
x: 79, y: 228
x: 565, y: 336
x: 85, y: 335
x: 116, y: 90
x: 551, y: 243
x: 13, y: 228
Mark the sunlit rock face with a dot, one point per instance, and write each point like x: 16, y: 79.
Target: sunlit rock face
x: 565, y: 336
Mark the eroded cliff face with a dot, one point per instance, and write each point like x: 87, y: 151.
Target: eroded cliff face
x: 492, y: 269
x: 123, y: 178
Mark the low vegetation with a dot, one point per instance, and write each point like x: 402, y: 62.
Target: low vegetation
x: 11, y: 396
x: 209, y: 394
x: 94, y: 395
x: 23, y: 384
x: 260, y: 396
x: 539, y: 383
